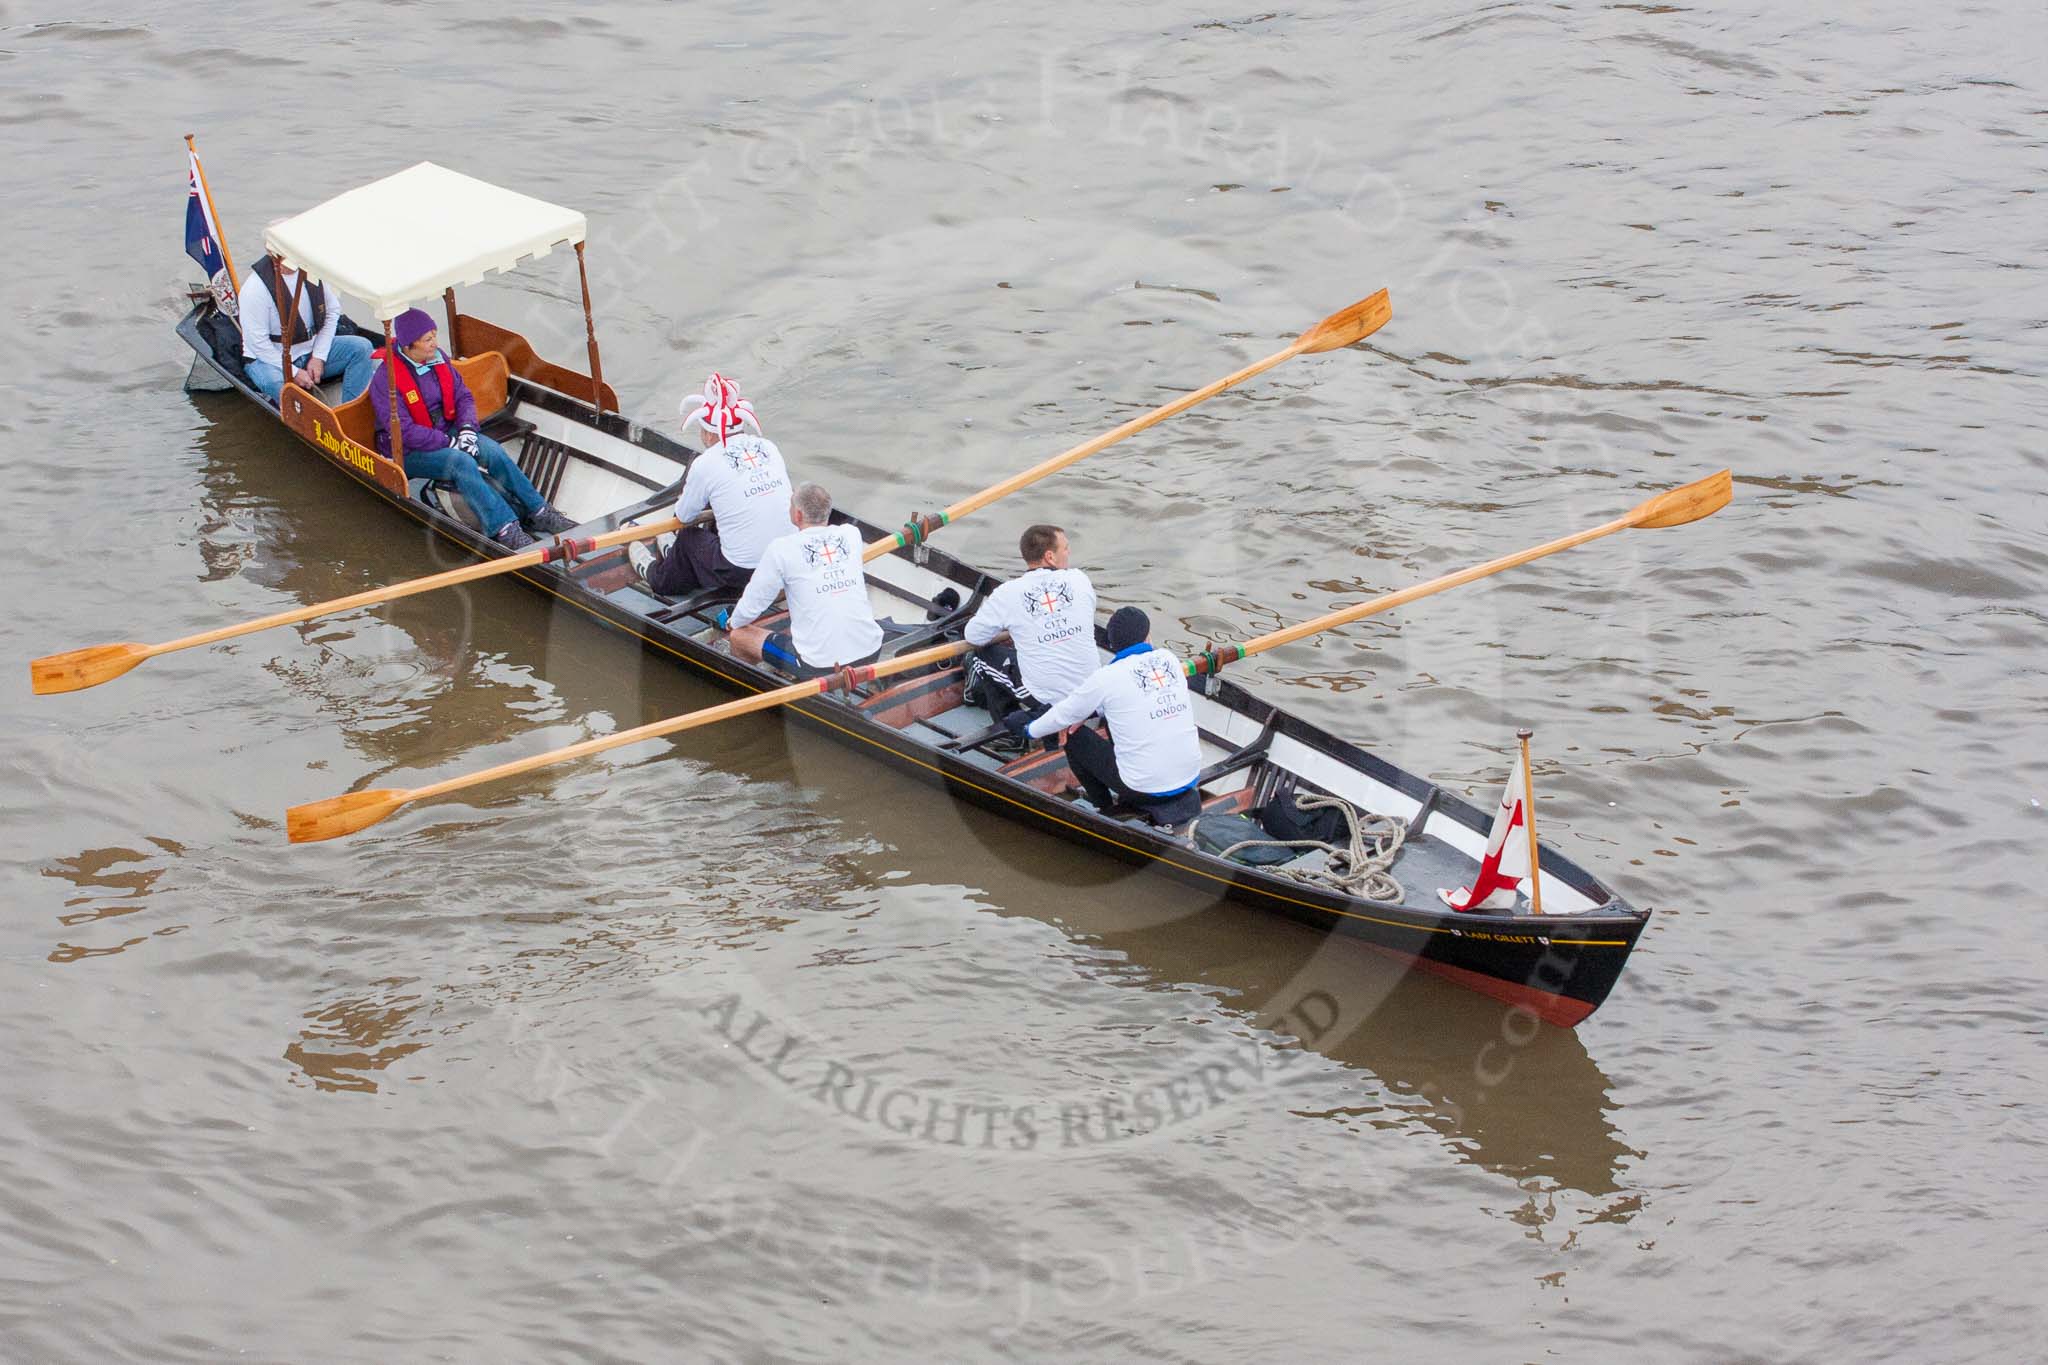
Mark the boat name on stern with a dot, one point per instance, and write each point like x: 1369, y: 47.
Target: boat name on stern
x: 344, y: 449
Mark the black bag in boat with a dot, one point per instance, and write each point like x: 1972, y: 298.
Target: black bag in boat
x: 1325, y: 825
x: 225, y: 337
x: 1217, y: 831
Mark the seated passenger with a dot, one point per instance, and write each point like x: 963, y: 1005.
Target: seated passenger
x: 437, y: 423
x: 1153, y: 755
x: 1049, y: 612
x: 743, y: 482
x: 316, y: 351
x: 818, y: 566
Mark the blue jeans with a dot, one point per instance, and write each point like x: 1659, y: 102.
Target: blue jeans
x: 347, y: 356
x: 480, y: 488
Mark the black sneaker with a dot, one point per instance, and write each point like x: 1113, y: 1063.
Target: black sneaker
x: 1009, y: 744
x: 548, y: 522
x: 513, y: 538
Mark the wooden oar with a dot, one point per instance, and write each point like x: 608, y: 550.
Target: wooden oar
x: 1675, y: 508
x: 95, y: 664
x: 346, y: 814
x: 1341, y: 328
x: 339, y: 815
x: 89, y: 667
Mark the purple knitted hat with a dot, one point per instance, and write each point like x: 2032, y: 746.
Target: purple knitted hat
x: 411, y: 325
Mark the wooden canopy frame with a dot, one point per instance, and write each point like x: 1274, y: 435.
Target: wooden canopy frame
x: 363, y: 241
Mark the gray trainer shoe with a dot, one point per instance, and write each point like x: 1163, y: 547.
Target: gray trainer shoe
x: 548, y: 522
x: 513, y: 537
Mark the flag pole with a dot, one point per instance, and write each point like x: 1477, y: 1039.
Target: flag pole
x: 234, y: 289
x: 1529, y: 825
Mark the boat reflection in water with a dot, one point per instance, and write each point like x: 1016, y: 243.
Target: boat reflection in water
x: 1503, y: 1091
x: 409, y: 682
x: 343, y: 1045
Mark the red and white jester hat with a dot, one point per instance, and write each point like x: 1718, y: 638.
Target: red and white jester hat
x: 719, y: 409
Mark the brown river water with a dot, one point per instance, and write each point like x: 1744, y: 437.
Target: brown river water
x: 549, y: 1074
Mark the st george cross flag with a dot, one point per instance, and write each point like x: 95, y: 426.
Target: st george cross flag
x: 1506, y: 864
x: 203, y: 240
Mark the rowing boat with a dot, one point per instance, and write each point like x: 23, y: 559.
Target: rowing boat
x: 564, y: 429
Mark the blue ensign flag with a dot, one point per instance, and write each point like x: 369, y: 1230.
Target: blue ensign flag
x: 202, y: 237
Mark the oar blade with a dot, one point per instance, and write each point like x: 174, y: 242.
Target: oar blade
x: 1681, y: 505
x: 1347, y: 326
x: 339, y: 815
x: 82, y: 668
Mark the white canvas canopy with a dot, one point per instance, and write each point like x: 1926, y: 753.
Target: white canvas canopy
x: 403, y: 239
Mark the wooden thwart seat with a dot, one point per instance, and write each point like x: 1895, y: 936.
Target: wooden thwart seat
x: 1239, y: 802
x: 920, y: 698
x: 485, y: 374
x: 1046, y: 771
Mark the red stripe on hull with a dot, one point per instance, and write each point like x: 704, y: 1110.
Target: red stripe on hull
x: 1549, y: 1006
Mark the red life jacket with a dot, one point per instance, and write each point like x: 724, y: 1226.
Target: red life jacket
x: 408, y: 390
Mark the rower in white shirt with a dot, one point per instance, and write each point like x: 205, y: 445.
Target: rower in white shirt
x: 741, y: 480
x: 1049, y: 613
x: 1153, y: 756
x: 818, y: 567
x: 317, y: 352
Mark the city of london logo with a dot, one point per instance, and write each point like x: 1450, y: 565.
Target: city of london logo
x: 826, y: 552
x: 1155, y: 676
x: 1049, y: 599
x: 746, y: 458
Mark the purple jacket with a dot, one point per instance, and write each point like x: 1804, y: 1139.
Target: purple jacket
x: 415, y: 436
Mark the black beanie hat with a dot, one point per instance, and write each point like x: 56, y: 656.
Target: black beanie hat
x: 1128, y: 626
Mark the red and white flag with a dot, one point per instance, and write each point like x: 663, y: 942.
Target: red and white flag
x: 1506, y: 865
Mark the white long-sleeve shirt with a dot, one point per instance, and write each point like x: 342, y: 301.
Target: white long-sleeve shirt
x: 1050, y: 614
x: 830, y: 617
x: 746, y: 485
x: 260, y: 315
x: 1143, y: 694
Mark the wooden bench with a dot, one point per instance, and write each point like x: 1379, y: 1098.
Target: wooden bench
x: 1046, y: 771
x: 919, y: 699
x: 488, y: 379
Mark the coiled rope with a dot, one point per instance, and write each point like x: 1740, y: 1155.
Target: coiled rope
x: 1352, y: 870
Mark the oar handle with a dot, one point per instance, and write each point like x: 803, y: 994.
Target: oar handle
x: 576, y: 549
